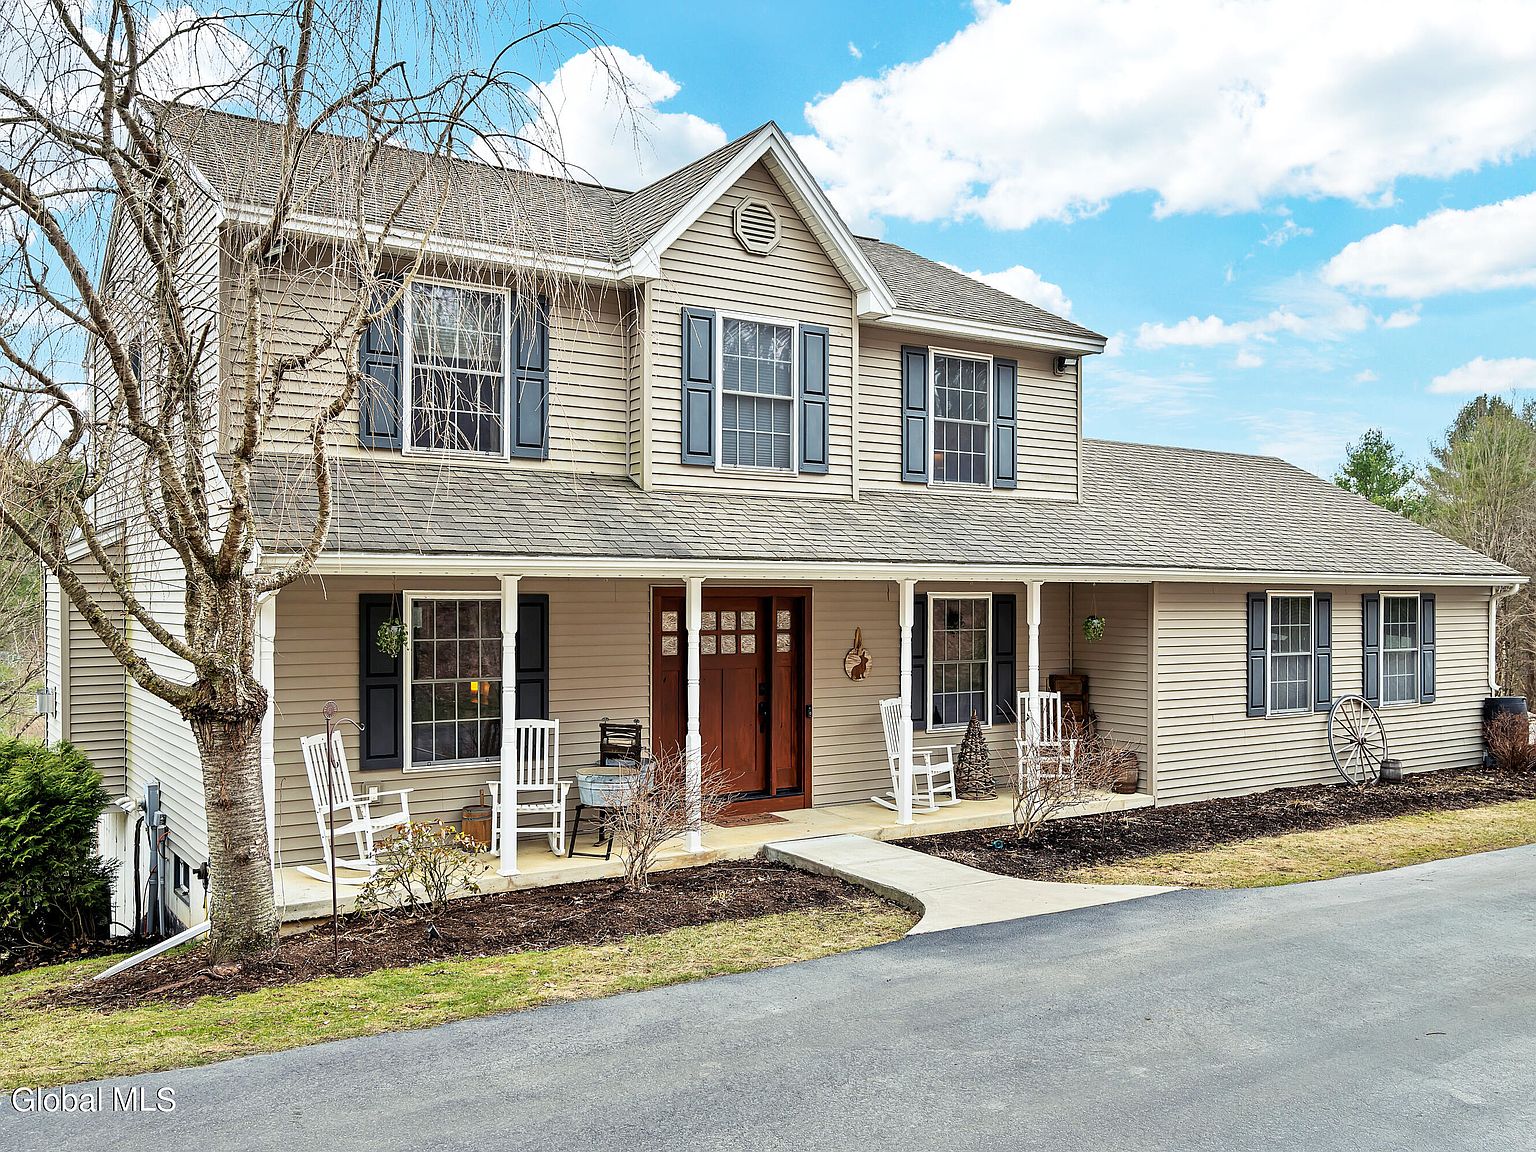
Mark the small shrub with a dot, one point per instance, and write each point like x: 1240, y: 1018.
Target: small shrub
x: 54, y: 890
x: 660, y: 811
x: 419, y: 869
x: 1046, y: 785
x: 1509, y: 742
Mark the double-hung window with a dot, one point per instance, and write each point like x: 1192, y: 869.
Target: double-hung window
x: 959, y: 661
x: 962, y: 420
x: 458, y: 368
x: 454, y: 696
x: 1399, y: 648
x: 757, y: 394
x: 1290, y: 652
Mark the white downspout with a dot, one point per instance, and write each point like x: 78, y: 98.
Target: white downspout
x: 266, y: 675
x: 693, y: 743
x: 1494, y: 597
x: 904, y: 789
x: 507, y: 833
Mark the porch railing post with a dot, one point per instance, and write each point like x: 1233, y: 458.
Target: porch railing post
x: 507, y: 832
x: 904, y: 788
x: 693, y: 741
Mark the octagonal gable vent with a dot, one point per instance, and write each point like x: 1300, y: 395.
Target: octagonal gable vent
x: 757, y: 226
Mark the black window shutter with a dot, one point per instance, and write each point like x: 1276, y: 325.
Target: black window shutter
x: 380, y: 356
x: 530, y: 382
x: 1370, y: 615
x: 698, y: 386
x: 1322, y: 651
x: 914, y: 415
x: 1258, y: 626
x: 919, y: 704
x: 1005, y: 656
x: 533, y: 657
x: 815, y: 394
x: 1005, y: 434
x: 1427, y: 648
x: 380, y: 690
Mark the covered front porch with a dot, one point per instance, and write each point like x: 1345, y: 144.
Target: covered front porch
x: 632, y: 644
x: 303, y: 897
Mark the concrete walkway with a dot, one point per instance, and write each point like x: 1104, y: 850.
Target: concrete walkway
x: 945, y: 894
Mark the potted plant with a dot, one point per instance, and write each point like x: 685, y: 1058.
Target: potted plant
x: 1093, y: 628
x: 392, y: 636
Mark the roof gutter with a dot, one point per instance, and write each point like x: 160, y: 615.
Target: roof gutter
x: 998, y: 333
x: 667, y: 569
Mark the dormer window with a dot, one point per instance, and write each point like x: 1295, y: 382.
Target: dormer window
x: 962, y: 419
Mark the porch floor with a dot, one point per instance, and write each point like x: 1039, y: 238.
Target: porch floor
x: 302, y: 897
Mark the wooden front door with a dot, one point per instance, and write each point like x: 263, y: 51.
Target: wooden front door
x: 753, y: 704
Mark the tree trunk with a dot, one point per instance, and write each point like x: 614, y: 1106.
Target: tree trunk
x: 243, y: 908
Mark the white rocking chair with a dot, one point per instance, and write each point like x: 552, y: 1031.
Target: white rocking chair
x: 931, y: 778
x: 1043, y: 745
x: 353, y: 815
x: 536, y: 759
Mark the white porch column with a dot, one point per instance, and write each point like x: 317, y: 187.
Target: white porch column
x: 904, y: 785
x: 507, y: 832
x: 693, y: 742
x: 1034, y: 642
x: 266, y: 676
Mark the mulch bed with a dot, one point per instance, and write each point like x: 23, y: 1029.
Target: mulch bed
x: 592, y: 912
x: 22, y: 957
x: 1062, y: 846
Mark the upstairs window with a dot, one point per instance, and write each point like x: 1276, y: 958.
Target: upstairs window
x: 1399, y: 649
x: 1290, y: 653
x: 962, y: 420
x: 458, y: 368
x: 757, y: 394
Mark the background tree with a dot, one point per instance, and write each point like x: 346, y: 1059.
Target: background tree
x: 110, y: 385
x: 1480, y: 489
x: 1374, y: 468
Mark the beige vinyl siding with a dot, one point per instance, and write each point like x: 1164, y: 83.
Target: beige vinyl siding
x: 1116, y: 666
x: 1048, y: 412
x: 796, y: 283
x: 96, y: 709
x: 1208, y: 746
x: 847, y: 743
x: 589, y: 408
x: 599, y: 666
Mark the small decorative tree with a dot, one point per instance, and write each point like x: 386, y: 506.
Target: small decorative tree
x: 658, y: 810
x: 973, y: 771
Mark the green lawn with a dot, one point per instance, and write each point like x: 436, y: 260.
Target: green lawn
x: 60, y: 1046
x: 1322, y: 855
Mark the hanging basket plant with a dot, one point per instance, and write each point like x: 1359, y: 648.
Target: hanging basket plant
x: 1093, y: 628
x: 392, y: 636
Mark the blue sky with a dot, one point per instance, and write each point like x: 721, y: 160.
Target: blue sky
x: 1295, y: 220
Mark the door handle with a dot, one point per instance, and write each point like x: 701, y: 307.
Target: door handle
x: 762, y: 716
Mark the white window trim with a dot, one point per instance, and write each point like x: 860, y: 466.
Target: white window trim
x: 928, y: 663
x: 408, y: 446
x: 794, y: 396
x: 407, y: 600
x: 990, y: 469
x: 1269, y: 668
x: 1381, y: 648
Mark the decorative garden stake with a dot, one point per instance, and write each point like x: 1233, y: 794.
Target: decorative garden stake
x: 973, y: 771
x: 1093, y: 628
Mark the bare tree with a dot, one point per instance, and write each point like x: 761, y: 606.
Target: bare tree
x: 130, y: 421
x: 1050, y: 781
x: 659, y: 811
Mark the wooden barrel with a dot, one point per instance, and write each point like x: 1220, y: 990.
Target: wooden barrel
x: 475, y: 822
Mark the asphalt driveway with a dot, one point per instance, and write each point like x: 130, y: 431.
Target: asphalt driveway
x: 1388, y: 1011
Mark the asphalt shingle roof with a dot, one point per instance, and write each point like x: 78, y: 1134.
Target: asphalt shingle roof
x: 1143, y: 507
x: 464, y: 199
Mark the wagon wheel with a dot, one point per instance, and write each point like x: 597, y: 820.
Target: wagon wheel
x: 1356, y: 739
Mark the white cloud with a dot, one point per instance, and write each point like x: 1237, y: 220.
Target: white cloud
x: 1246, y: 358
x: 1027, y: 284
x: 1289, y: 230
x: 1052, y: 109
x: 1303, y: 309
x: 855, y: 51
x: 1482, y: 375
x: 1114, y: 346
x: 599, y: 113
x: 1402, y: 318
x: 1452, y: 250
x: 1309, y: 440
x: 1168, y: 396
x: 1366, y: 376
